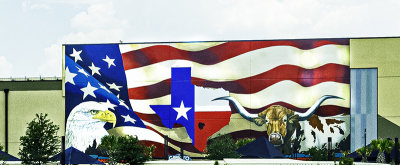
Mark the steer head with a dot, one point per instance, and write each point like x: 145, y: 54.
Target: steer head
x: 279, y: 120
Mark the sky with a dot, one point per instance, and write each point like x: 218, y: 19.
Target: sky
x: 32, y: 31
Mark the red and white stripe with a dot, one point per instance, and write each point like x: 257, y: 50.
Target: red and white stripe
x: 257, y: 73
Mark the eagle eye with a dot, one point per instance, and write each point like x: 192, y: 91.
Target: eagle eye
x: 94, y: 112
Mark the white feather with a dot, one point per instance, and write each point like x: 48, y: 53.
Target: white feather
x: 82, y: 129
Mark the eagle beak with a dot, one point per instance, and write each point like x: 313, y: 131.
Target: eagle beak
x: 106, y: 116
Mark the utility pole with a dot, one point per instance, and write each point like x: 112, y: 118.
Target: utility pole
x: 365, y: 142
x: 181, y: 153
x: 396, y: 151
x: 6, y: 119
x: 329, y: 148
x: 166, y: 147
x: 62, y: 161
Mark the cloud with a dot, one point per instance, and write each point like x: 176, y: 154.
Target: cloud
x: 97, y: 16
x: 102, y: 21
x: 97, y: 24
x: 361, y: 20
x: 32, y: 5
x: 94, y: 36
x: 5, y: 67
x: 52, y: 65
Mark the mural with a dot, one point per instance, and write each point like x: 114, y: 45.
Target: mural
x: 294, y: 92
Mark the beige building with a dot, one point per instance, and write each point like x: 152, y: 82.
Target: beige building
x: 21, y: 99
x: 26, y: 97
x: 384, y: 55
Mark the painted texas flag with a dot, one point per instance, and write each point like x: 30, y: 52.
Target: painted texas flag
x: 190, y: 107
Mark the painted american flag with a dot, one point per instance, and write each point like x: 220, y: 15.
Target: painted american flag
x: 291, y: 73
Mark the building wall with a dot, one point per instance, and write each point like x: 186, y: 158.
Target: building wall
x: 382, y: 53
x: 2, y: 118
x: 23, y: 104
x: 28, y: 98
x: 291, y: 73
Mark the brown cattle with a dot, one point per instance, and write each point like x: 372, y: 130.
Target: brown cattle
x: 280, y: 121
x: 277, y: 118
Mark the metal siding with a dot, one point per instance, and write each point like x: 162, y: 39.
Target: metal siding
x: 363, y: 84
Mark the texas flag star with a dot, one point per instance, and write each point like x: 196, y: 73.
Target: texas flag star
x: 182, y: 110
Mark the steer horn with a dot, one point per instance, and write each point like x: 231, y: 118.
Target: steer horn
x: 302, y: 116
x: 313, y: 108
x: 239, y: 107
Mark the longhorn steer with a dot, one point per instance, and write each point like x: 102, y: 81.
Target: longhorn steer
x: 281, y: 122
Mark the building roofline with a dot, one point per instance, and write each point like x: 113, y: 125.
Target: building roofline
x: 232, y: 40
x: 30, y: 79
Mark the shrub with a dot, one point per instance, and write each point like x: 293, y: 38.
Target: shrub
x: 242, y: 142
x: 40, y: 141
x: 382, y: 145
x: 367, y: 150
x: 125, y: 149
x: 319, y: 154
x: 216, y: 162
x: 345, y: 160
x: 2, y: 158
x: 221, y: 147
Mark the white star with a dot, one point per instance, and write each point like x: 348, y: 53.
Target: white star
x: 94, y: 69
x: 88, y: 90
x: 81, y: 70
x: 128, y: 119
x: 103, y: 87
x: 108, y: 104
x: 76, y: 55
x: 182, y: 111
x: 114, y: 86
x: 109, y: 61
x: 69, y: 77
x: 118, y: 95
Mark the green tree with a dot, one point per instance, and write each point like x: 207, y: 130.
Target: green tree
x: 108, y: 145
x: 40, y: 141
x: 125, y: 149
x: 382, y: 145
x: 221, y: 147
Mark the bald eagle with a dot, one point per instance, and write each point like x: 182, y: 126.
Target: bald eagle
x: 86, y: 123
